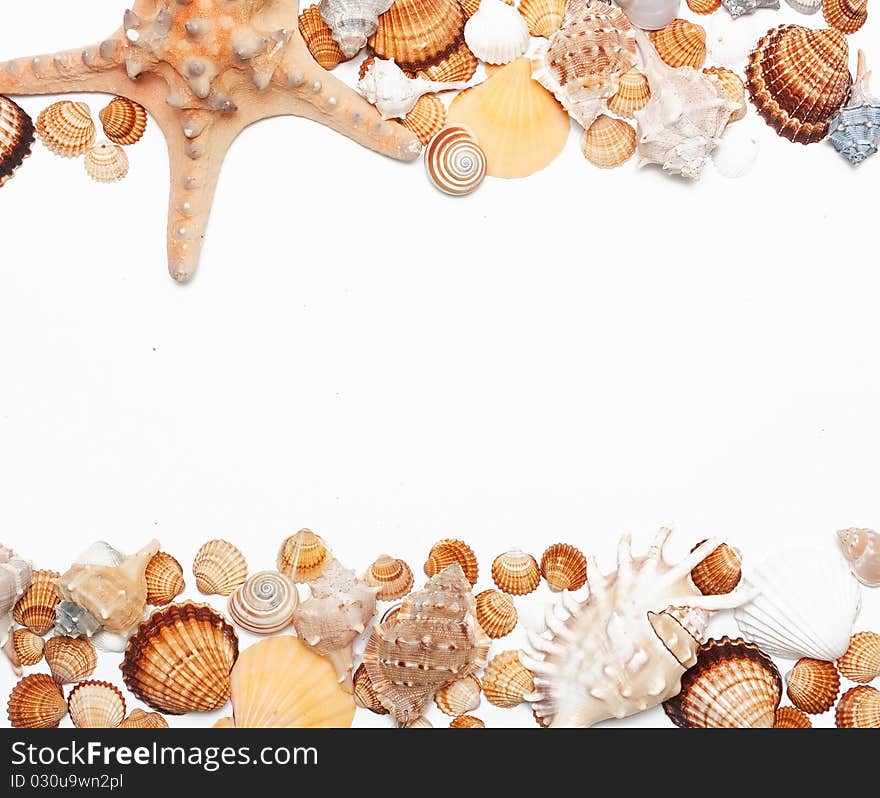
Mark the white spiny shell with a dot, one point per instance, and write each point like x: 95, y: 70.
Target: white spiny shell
x: 386, y: 86
x: 497, y: 33
x: 353, y: 21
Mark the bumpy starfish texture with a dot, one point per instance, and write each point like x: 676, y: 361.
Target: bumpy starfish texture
x: 205, y: 70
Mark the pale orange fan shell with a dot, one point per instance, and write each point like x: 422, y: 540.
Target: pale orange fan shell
x: 36, y: 702
x: 861, y: 662
x: 681, y: 43
x: 813, y: 685
x: 516, y: 572
x: 496, y: 613
x: 544, y: 17
x: 467, y: 722
x: 219, y: 568
x: 791, y: 718
x: 609, y: 142
x: 506, y: 681
x: 633, y: 93
x: 28, y: 647
x: 96, y: 705
x: 138, y: 719
x: 70, y: 659
x: 449, y: 551
x: 66, y: 128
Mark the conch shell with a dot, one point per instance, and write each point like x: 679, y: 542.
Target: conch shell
x: 386, y: 86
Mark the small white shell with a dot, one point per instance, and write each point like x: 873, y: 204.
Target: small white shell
x: 497, y: 33
x: 106, y: 162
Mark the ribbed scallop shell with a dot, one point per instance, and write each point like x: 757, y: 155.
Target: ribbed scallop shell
x: 138, y: 719
x: 734, y: 87
x: 633, y: 93
x: 496, y: 613
x: 791, y: 718
x: 319, y: 38
x: 506, y: 681
x: 265, y: 603
x: 543, y: 17
x: 470, y: 7
x: 457, y: 65
x: 466, y: 722
x: 720, y: 572
x: 36, y: 608
x: 96, y: 705
x: 858, y: 708
x: 106, y: 163
x: 456, y: 166
x: 564, y: 567
x: 124, y: 121
x: 219, y: 568
x: 66, y: 128
x: 497, y: 33
x: 180, y: 658
x: 449, y: 551
x: 303, y: 556
x: 609, y: 142
x: 704, y: 6
x: 418, y: 33
x: 847, y: 16
x: 70, y: 659
x: 164, y: 575
x: 813, y: 685
x: 459, y: 697
x: 516, y: 573
x: 36, y: 702
x: 393, y: 577
x: 28, y: 647
x: 861, y: 662
x: 680, y: 43
x: 427, y: 117
x: 16, y: 137
x: 364, y: 694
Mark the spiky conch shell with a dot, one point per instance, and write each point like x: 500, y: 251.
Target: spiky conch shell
x: 66, y: 128
x: 96, y: 705
x: 720, y: 572
x: 633, y: 93
x: 364, y: 694
x: 734, y: 87
x: 847, y: 16
x: 106, y: 163
x: 704, y: 6
x: 36, y: 608
x: 861, y: 661
x: 609, y: 142
x: 680, y: 43
x: 319, y: 38
x: 219, y: 568
x: 36, y: 702
x: 265, y: 603
x: 791, y: 718
x: 544, y: 17
x: 457, y: 65
x: 496, y: 613
x: 459, y: 697
x: 16, y: 138
x: 426, y: 119
x: 303, y: 556
x: 506, y: 681
x: 812, y: 685
x: 179, y: 659
x: 164, y: 576
x: 516, y: 573
x: 70, y: 659
x: 418, y: 33
x: 466, y: 722
x: 448, y: 552
x: 392, y: 577
x: 28, y: 647
x: 279, y: 683
x: 124, y: 121
x: 858, y: 708
x: 564, y: 567
x: 139, y: 719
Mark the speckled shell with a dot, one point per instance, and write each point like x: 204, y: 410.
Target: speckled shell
x: 418, y: 33
x: 319, y: 38
x: 456, y: 166
x: 813, y: 685
x: 265, y: 603
x: 459, y: 697
x: 16, y: 138
x: 164, y: 576
x: 861, y: 547
x: 791, y: 718
x: 633, y: 93
x: 506, y: 681
x: 393, y: 578
x: 66, y: 128
x: 458, y: 65
x: 703, y: 6
x: 720, y: 572
x: 70, y: 659
x: 124, y: 121
x: 449, y: 551
x: 466, y: 722
x: 36, y: 608
x: 303, y: 556
x: 496, y: 613
x: 106, y: 163
x: 138, y: 719
x: 543, y: 17
x: 28, y: 647
x: 847, y: 16
x: 36, y: 702
x: 96, y: 705
x: 680, y: 43
x: 179, y: 659
x: 861, y: 662
x: 364, y: 694
x: 352, y: 21
x: 734, y: 87
x: 219, y: 568
x: 516, y: 573
x: 497, y: 33
x: 858, y: 708
x: 609, y: 142
x: 564, y: 567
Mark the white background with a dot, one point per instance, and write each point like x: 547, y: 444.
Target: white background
x: 558, y: 358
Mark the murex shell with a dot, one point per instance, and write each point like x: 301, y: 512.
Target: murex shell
x: 855, y: 133
x: 386, y: 86
x: 352, y: 21
x: 497, y: 33
x: 16, y: 138
x: 265, y: 603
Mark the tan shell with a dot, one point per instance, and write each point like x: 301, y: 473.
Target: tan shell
x: 734, y: 87
x: 426, y: 119
x: 164, y: 577
x: 633, y: 93
x: 847, y: 16
x: 303, y: 556
x: 516, y: 572
x: 544, y: 17
x: 138, y: 719
x: 70, y: 659
x: 704, y: 6
x: 224, y: 723
x: 861, y: 662
x: 36, y: 702
x: 124, y: 121
x: 96, y: 705
x: 466, y: 722
x: 265, y: 603
x: 365, y: 65
x: 459, y: 697
x: 391, y: 613
x: 720, y: 572
x: 858, y: 708
x: 496, y: 613
x: 219, y: 568
x: 791, y: 718
x: 36, y: 608
x: 680, y: 43
x: 28, y: 647
x: 456, y: 166
x: 457, y: 65
x: 564, y: 567
x: 609, y: 142
x: 470, y: 7
x: 506, y: 681
x: 813, y: 685
x: 418, y: 33
x: 364, y: 694
x: 66, y: 128
x: 16, y: 138
x: 179, y: 659
x: 449, y: 551
x: 393, y: 577
x: 319, y: 38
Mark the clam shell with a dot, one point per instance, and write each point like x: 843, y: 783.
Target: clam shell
x: 813, y: 685
x: 106, y: 163
x: 28, y: 647
x: 16, y: 138
x: 497, y: 33
x: 633, y: 93
x: 861, y: 661
x: 36, y: 608
x: 466, y: 722
x: 456, y: 166
x: 138, y: 719
x: 704, y: 6
x: 506, y: 681
x: 219, y: 568
x: 516, y: 572
x: 418, y: 33
x: 319, y: 38
x: 858, y: 708
x: 847, y: 16
x: 791, y: 718
x: 543, y: 17
x: 96, y: 705
x: 457, y: 65
x: 393, y: 577
x: 36, y: 702
x: 609, y: 142
x: 66, y: 128
x: 265, y: 603
x: 720, y: 572
x: 496, y: 613
x: 734, y: 87
x: 680, y: 43
x: 303, y: 556
x: 124, y: 121
x: 449, y: 551
x: 564, y: 567
x: 179, y: 659
x: 70, y: 659
x: 459, y: 697
x: 364, y: 694
x: 164, y: 575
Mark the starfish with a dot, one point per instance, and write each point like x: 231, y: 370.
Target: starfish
x: 205, y: 70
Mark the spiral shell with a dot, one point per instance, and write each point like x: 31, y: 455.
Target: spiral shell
x: 733, y: 86
x: 861, y: 662
x: 516, y: 572
x: 66, y: 128
x: 720, y: 572
x: 394, y: 578
x: 164, y: 575
x: 847, y: 16
x: 427, y: 117
x: 28, y: 647
x: 466, y: 722
x: 564, y: 567
x: 633, y: 93
x: 219, y: 568
x: 124, y: 121
x: 459, y: 697
x: 791, y: 718
x: 138, y: 719
x: 544, y: 17
x: 16, y: 138
x: 455, y: 162
x: 319, y: 38
x: 449, y: 551
x: 496, y: 613
x: 303, y: 556
x: 506, y: 681
x: 36, y: 608
x: 680, y: 43
x: 812, y: 685
x: 265, y: 603
x: 106, y: 163
x: 609, y: 142
x: 858, y: 708
x: 704, y: 6
x: 36, y: 702
x: 70, y: 659
x: 364, y: 694
x: 96, y: 705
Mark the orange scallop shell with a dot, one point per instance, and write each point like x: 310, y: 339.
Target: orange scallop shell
x: 393, y: 578
x: 791, y: 718
x: 124, y: 121
x: 28, y: 647
x: 467, y: 722
x: 516, y: 572
x: 164, y: 575
x: 458, y: 64
x: 364, y: 694
x: 564, y: 567
x: 449, y: 551
x: 720, y: 572
x: 70, y: 659
x: 861, y: 661
x: 219, y: 568
x: 66, y: 128
x: 703, y: 6
x: 680, y: 43
x: 427, y: 117
x: 734, y: 86
x: 858, y: 708
x: 138, y: 719
x: 418, y: 33
x: 303, y: 556
x: 847, y: 16
x: 16, y: 138
x: 543, y: 17
x: 633, y: 93
x: 506, y: 681
x: 319, y: 38
x: 36, y: 608
x: 36, y: 702
x: 96, y: 705
x: 496, y: 613
x: 813, y: 685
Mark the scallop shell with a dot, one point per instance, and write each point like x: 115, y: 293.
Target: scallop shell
x: 497, y: 33
x: 352, y: 21
x: 861, y: 548
x: 516, y: 573
x: 28, y: 647
x: 459, y: 697
x: 70, y: 659
x: 36, y: 608
x: 393, y: 578
x: 720, y: 572
x: 805, y: 6
x: 704, y: 6
x: 418, y: 33
x: 179, y: 659
x: 813, y: 685
x: 16, y: 137
x: 609, y: 142
x: 564, y: 567
x: 319, y: 38
x: 543, y: 17
x: 219, y: 568
x: 847, y: 16
x: 96, y: 705
x: 449, y: 551
x: 66, y: 128
x: 732, y: 685
x: 633, y: 93
x: 36, y: 702
x: 364, y: 694
x: 427, y: 117
x: 681, y: 43
x: 861, y: 661
x: 858, y: 708
x: 138, y: 719
x: 496, y: 613
x: 466, y: 722
x: 458, y: 65
x: 265, y: 603
x: 303, y: 556
x: 506, y: 681
x: 791, y: 718
x: 734, y: 87
x: 164, y: 575
x: 457, y: 166
x: 124, y: 121
x: 279, y: 683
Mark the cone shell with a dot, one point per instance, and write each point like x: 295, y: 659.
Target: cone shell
x: 219, y: 568
x: 106, y: 163
x: 466, y: 722
x: 516, y: 573
x: 36, y: 702
x: 303, y: 556
x: 459, y: 697
x: 70, y: 659
x: 544, y: 17
x: 732, y: 685
x: 16, y: 137
x: 456, y: 166
x: 704, y: 6
x: 96, y: 705
x: 138, y: 719
x: 861, y: 662
x: 224, y: 723
x: 496, y: 613
x: 734, y: 87
x: 609, y: 142
x: 470, y: 7
x: 319, y: 38
x: 36, y: 608
x: 364, y: 694
x: 179, y: 659
x: 164, y: 577
x: 457, y: 65
x: 858, y: 708
x: 28, y: 647
x: 564, y: 567
x: 124, y: 121
x: 812, y: 685
x: 265, y: 603
x: 426, y: 120
x: 720, y: 572
x: 847, y: 16
x: 449, y: 551
x: 633, y: 93
x: 66, y: 128
x: 791, y: 718
x: 393, y: 578
x: 418, y: 33
x: 506, y: 681
x: 680, y: 43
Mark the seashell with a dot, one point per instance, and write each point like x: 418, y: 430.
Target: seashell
x: 457, y: 166
x: 16, y: 138
x: 543, y: 17
x: 564, y: 567
x: 459, y: 64
x: 466, y: 722
x: 36, y: 608
x: 111, y: 642
x: 583, y: 671
x: 732, y: 685
x: 798, y: 79
x: 164, y: 577
x: 704, y: 6
x: 516, y: 572
x: 858, y: 708
x: 506, y: 681
x: 36, y: 702
x: 303, y: 556
x: 861, y: 547
x: 101, y: 553
x: 70, y: 659
x: 179, y: 659
x: 219, y: 568
x: 16, y: 576
x: 855, y: 132
x: 736, y: 153
x: 426, y: 120
x: 393, y: 578
x: 720, y: 572
x: 680, y: 43
x: 861, y: 661
x: 459, y: 697
x: 224, y: 723
x: 364, y: 694
x: 470, y: 7
x: 138, y: 719
x: 739, y: 8
x: 729, y: 40
x: 28, y: 647
x: 96, y: 705
x: 391, y: 613
x: 386, y: 86
x: 106, y: 163
x: 847, y: 16
x: 733, y: 85
x: 281, y: 684
x: 71, y: 620
x: 418, y: 33
x: 319, y: 38
x: 124, y: 121
x: 66, y: 128
x: 497, y: 33
x: 805, y: 605
x: 352, y: 21
x: 805, y: 6
x: 609, y: 142
x: 791, y: 718
x: 448, y: 552
x: 813, y: 685
x: 496, y: 613
x: 650, y: 14
x: 265, y: 603
x: 633, y: 93
x: 420, y: 723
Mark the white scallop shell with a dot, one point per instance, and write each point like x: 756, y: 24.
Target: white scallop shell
x: 265, y: 603
x: 805, y: 6
x: 497, y: 33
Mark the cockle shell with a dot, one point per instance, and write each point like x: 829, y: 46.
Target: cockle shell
x: 364, y: 694
x: 506, y: 681
x: 96, y: 705
x: 790, y: 718
x: 496, y: 613
x: 279, y: 683
x: 704, y: 6
x: 319, y: 38
x: 858, y: 708
x: 265, y: 603
x: 71, y: 620
x: 812, y: 685
x: 564, y: 567
x: 543, y: 17
x: 861, y: 660
x: 164, y: 577
x: 847, y: 16
x: 448, y: 552
x: 456, y: 166
x: 680, y: 43
x: 124, y: 121
x: 36, y: 702
x: 352, y: 21
x: 618, y: 652
x: 633, y: 93
x: 28, y: 647
x: 179, y: 659
x: 608, y: 142
x: 497, y: 33
x: 720, y: 572
x: 459, y: 697
x: 70, y: 659
x: 138, y: 719
x: 516, y: 573
x: 106, y: 163
x: 393, y: 578
x: 427, y: 117
x: 459, y: 64
x: 805, y: 6
x: 385, y: 85
x: 16, y: 138
x: 734, y: 87
x: 66, y: 128
x: 219, y: 568
x: 466, y: 722
x: 855, y: 133
x: 418, y: 33
x: 36, y: 608
x: 303, y: 556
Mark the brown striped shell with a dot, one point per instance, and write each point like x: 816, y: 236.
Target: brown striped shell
x: 456, y: 165
x: 70, y: 659
x: 36, y: 702
x: 449, y: 551
x: 813, y: 685
x: 106, y: 162
x: 418, y: 33
x: 496, y: 613
x: 633, y: 93
x: 858, y: 708
x: 124, y: 121
x: 138, y: 719
x: 861, y: 662
x: 164, y: 575
x: 393, y: 577
x: 457, y: 65
x: 516, y: 572
x: 506, y: 681
x: 466, y: 722
x: 96, y: 705
x: 16, y: 137
x: 720, y: 572
x: 609, y: 142
x: 28, y: 647
x: 36, y: 608
x: 544, y: 17
x: 319, y: 38
x: 459, y: 697
x: 734, y: 87
x: 704, y: 6
x: 219, y: 568
x: 791, y: 718
x: 364, y: 694
x: 303, y: 556
x: 847, y: 16
x: 564, y: 567
x: 427, y: 117
x: 680, y: 43
x: 265, y: 603
x: 66, y: 128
